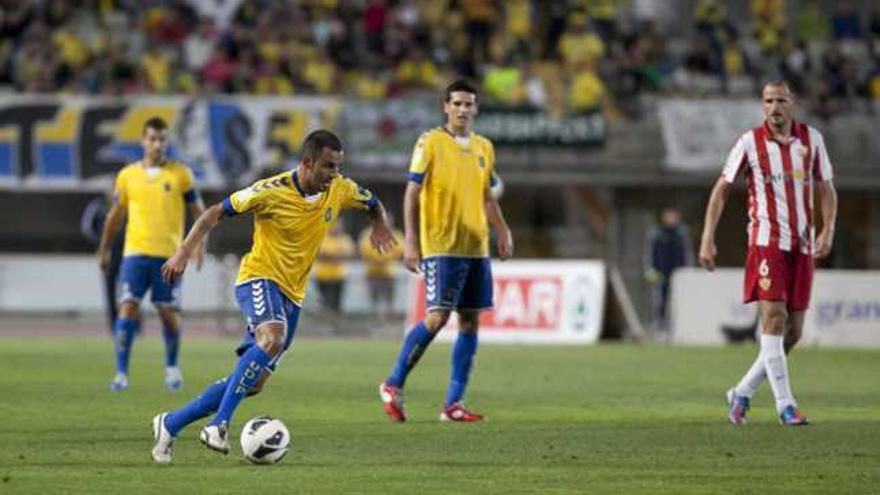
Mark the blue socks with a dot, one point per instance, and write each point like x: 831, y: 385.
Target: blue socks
x: 414, y: 346
x: 462, y: 359
x: 123, y: 336
x: 172, y: 345
x: 248, y: 370
x: 200, y: 407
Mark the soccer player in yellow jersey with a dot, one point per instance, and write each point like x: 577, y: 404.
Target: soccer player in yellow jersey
x: 292, y: 213
x: 447, y: 203
x: 155, y: 194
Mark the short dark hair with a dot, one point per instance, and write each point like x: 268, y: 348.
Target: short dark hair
x: 460, y: 85
x: 158, y: 124
x: 316, y: 141
x: 780, y: 83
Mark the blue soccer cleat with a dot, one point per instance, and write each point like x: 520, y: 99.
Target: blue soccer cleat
x: 792, y: 416
x: 738, y: 407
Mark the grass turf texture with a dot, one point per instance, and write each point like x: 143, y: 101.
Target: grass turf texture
x: 606, y: 419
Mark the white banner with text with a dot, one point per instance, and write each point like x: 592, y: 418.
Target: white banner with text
x: 535, y: 301
x: 707, y: 308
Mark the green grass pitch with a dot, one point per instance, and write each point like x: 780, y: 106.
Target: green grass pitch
x: 605, y: 419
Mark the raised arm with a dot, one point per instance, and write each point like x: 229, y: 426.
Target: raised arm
x: 504, y: 238
x: 411, y: 248
x: 714, y: 209
x: 176, y: 265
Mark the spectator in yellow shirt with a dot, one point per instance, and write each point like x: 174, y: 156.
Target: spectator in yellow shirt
x: 587, y: 91
x: 320, y: 73
x: 331, y: 267
x: 368, y: 85
x: 415, y: 70
x: 381, y: 269
x: 157, y: 70
x: 504, y: 82
x: 273, y: 82
x: 71, y: 48
x: 580, y: 42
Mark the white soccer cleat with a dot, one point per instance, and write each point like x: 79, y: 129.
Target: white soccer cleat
x: 215, y: 437
x: 119, y: 383
x: 164, y: 441
x: 173, y: 378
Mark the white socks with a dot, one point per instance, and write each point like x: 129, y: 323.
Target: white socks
x: 773, y: 356
x: 752, y: 379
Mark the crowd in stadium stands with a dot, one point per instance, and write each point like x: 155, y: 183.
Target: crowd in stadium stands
x: 559, y: 56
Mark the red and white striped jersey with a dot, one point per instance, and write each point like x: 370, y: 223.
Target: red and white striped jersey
x: 780, y: 184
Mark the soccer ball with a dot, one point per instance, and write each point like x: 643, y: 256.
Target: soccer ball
x: 264, y: 440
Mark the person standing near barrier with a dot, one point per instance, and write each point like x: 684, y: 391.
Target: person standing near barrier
x: 447, y: 203
x: 669, y: 248
x: 154, y: 194
x: 783, y: 162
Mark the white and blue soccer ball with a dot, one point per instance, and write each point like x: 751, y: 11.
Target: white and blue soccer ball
x: 265, y: 440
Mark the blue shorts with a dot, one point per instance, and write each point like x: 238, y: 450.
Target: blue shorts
x: 262, y: 301
x: 453, y: 282
x: 139, y: 273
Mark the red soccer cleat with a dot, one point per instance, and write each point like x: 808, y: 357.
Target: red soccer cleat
x: 457, y: 412
x: 392, y: 402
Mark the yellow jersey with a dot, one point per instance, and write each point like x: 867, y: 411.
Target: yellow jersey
x: 454, y: 173
x: 337, y: 246
x: 289, y: 227
x: 380, y: 265
x: 154, y: 199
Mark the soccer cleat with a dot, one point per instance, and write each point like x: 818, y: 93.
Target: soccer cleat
x: 164, y: 441
x: 791, y: 416
x: 119, y: 383
x: 392, y: 402
x: 457, y: 412
x: 173, y: 378
x: 738, y: 407
x: 215, y: 437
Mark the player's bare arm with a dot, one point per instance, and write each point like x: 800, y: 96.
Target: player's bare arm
x: 176, y: 265
x: 381, y: 234
x: 504, y: 237
x: 717, y: 200
x: 111, y: 228
x: 411, y: 250
x: 828, y: 205
x: 196, y: 208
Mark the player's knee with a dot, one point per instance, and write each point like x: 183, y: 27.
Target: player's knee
x: 774, y: 322
x: 128, y: 310
x: 169, y: 316
x: 436, y: 320
x: 469, y: 321
x: 270, y: 337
